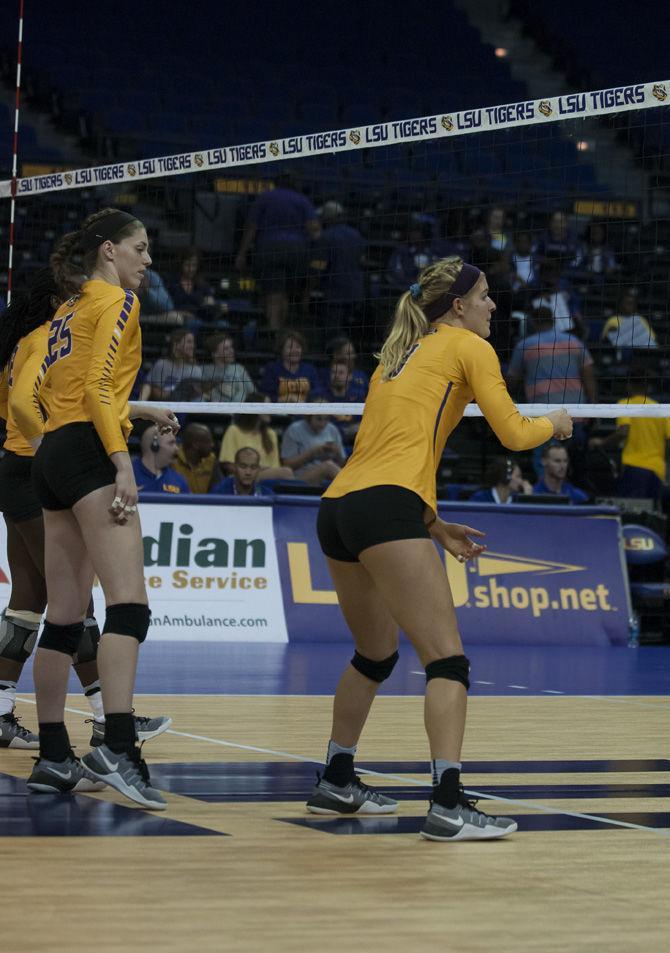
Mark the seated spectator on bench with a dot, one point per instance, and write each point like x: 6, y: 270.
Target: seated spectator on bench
x: 178, y: 376
x: 503, y: 479
x: 254, y: 430
x: 224, y: 379
x: 153, y: 473
x: 289, y: 378
x: 195, y: 459
x: 190, y: 292
x: 244, y: 478
x: 313, y: 449
x: 341, y: 389
x: 627, y: 330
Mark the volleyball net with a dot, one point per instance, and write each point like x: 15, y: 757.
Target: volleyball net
x: 562, y: 201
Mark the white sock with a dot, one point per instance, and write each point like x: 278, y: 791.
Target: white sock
x: 7, y: 696
x: 94, y: 698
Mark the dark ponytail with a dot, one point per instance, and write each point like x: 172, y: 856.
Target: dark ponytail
x: 30, y: 308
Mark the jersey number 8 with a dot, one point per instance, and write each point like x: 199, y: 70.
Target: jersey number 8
x: 60, y: 338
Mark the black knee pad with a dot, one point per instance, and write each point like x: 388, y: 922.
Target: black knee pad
x: 128, y: 618
x: 17, y: 638
x: 88, y: 645
x: 375, y: 671
x: 61, y: 638
x: 456, y: 668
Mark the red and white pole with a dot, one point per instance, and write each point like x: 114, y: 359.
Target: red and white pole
x: 15, y: 154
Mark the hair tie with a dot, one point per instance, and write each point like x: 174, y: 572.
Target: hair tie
x: 415, y: 290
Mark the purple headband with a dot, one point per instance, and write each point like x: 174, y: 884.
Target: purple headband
x: 105, y: 228
x: 467, y: 278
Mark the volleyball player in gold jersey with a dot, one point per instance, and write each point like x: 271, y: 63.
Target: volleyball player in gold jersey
x: 378, y: 523
x: 24, y: 331
x: 84, y: 480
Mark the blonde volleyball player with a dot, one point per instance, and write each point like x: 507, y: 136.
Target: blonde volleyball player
x: 84, y: 480
x: 23, y: 344
x: 378, y: 523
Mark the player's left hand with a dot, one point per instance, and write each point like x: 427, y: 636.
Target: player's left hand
x: 165, y: 420
x: 455, y: 538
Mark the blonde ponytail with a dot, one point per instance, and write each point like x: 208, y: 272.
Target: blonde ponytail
x: 410, y: 323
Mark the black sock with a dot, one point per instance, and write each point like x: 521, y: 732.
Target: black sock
x: 447, y: 791
x: 54, y: 741
x: 120, y: 734
x: 340, y: 770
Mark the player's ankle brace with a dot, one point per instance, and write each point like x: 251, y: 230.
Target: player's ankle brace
x: 455, y: 667
x: 375, y: 671
x: 61, y: 638
x: 128, y: 618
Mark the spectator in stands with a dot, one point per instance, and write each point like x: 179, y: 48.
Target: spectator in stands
x: 341, y: 389
x: 557, y: 243
x: 224, y: 379
x: 280, y: 225
x: 494, y: 229
x: 337, y: 257
x: 555, y: 366
x: 627, y: 330
x: 254, y: 430
x: 195, y: 459
x: 244, y: 478
x: 596, y: 258
x: 312, y: 448
x: 408, y: 259
x: 503, y: 480
x: 156, y: 302
x: 557, y: 295
x: 192, y: 293
x: 289, y: 378
x: 178, y: 376
x: 152, y: 469
x: 555, y: 460
x: 524, y: 265
x: 644, y: 441
x: 342, y: 349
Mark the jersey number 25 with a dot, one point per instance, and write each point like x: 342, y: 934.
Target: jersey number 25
x: 60, y: 338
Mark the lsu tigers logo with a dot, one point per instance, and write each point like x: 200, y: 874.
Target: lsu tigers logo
x: 447, y: 123
x: 355, y: 136
x: 198, y: 159
x: 659, y: 91
x: 545, y: 108
x: 132, y: 170
x: 274, y: 148
x: 68, y: 178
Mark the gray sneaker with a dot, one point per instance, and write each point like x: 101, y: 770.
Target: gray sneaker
x: 14, y: 735
x: 127, y: 773
x: 464, y: 822
x: 146, y: 729
x: 60, y: 777
x: 353, y: 798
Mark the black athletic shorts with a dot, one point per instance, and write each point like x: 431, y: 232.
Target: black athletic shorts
x: 18, y: 500
x: 349, y: 524
x: 70, y: 463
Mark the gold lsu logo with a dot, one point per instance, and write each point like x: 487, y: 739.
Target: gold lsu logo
x: 659, y: 91
x: 274, y: 149
x: 199, y: 160
x: 447, y: 123
x: 132, y: 170
x: 355, y: 136
x: 545, y: 108
x: 68, y: 178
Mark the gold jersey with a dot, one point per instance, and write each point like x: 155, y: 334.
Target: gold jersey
x: 93, y: 356
x: 24, y: 421
x: 407, y: 419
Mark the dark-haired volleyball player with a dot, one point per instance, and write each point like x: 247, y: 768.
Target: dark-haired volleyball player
x: 84, y: 480
x: 378, y: 521
x: 23, y: 344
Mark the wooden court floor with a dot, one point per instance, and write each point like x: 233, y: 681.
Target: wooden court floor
x: 589, y: 869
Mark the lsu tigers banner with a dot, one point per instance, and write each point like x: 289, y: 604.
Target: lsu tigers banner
x: 549, y: 576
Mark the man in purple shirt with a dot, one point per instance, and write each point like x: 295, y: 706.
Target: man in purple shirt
x: 280, y: 225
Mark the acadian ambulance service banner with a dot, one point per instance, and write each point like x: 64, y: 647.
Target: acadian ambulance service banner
x: 550, y: 576
x: 211, y: 573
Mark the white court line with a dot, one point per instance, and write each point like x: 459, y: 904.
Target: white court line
x: 403, y: 779
x: 518, y: 686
